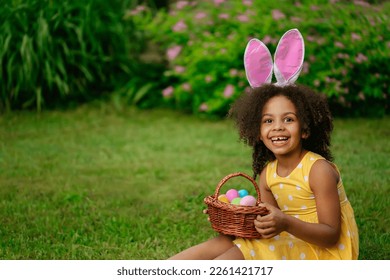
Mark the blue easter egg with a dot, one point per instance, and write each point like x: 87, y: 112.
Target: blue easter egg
x: 243, y: 193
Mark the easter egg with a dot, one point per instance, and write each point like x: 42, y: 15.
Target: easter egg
x: 236, y: 201
x: 243, y: 193
x: 248, y: 201
x: 231, y: 194
x: 223, y: 198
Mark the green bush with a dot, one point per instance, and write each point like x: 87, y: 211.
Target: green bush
x: 56, y: 52
x: 347, y: 50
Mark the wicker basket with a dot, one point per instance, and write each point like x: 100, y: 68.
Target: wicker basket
x: 232, y: 219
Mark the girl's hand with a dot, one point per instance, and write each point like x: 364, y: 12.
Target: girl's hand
x: 271, y: 224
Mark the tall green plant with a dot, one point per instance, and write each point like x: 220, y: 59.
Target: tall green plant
x: 55, y: 51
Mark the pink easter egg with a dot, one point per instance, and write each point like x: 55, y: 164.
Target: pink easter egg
x: 248, y: 201
x: 232, y: 194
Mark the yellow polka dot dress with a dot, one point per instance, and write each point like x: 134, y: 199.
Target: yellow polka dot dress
x: 294, y: 197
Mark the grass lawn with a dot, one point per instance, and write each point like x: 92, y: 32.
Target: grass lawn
x: 93, y: 183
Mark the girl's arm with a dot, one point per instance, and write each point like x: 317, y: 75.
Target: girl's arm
x: 265, y: 192
x: 323, y: 181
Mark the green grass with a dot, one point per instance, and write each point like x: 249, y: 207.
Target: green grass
x: 93, y: 183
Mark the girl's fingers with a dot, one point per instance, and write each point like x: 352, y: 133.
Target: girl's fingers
x: 266, y: 232
x: 263, y: 225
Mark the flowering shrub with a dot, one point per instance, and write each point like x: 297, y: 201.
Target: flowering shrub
x: 347, y: 50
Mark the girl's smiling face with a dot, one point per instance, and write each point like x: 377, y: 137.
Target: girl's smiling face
x: 280, y: 128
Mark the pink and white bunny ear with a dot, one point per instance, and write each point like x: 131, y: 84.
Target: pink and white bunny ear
x: 289, y: 57
x: 258, y: 63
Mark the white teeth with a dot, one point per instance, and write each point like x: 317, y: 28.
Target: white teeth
x: 279, y: 138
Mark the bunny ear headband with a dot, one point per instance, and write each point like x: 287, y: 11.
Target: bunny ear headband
x: 288, y: 59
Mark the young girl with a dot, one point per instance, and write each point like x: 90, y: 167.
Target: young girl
x: 310, y: 217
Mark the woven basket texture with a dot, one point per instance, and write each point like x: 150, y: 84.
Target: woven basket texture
x: 236, y: 220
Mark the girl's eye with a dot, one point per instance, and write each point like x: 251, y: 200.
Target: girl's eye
x: 267, y: 121
x: 288, y: 120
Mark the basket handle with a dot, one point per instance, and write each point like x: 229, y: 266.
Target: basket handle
x: 228, y: 177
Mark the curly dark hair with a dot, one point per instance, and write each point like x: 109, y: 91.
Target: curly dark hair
x: 313, y: 113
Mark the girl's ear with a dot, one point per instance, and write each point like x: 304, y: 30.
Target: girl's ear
x: 305, y: 134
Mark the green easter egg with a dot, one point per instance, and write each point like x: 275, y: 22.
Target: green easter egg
x: 236, y: 201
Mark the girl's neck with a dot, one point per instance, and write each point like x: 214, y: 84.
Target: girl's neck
x: 287, y: 163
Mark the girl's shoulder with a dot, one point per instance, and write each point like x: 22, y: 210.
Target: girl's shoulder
x: 311, y: 156
x: 319, y: 167
x: 310, y: 159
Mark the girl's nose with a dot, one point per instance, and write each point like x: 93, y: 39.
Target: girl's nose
x: 278, y: 125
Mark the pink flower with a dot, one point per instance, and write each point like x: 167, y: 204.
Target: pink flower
x: 218, y: 2
x: 314, y: 8
x: 355, y: 37
x: 310, y: 38
x: 267, y: 39
x: 208, y: 79
x: 223, y: 16
x: 167, y: 92
x: 229, y: 90
x: 203, y: 107
x: 136, y: 11
x: 339, y: 45
x: 233, y: 72
x: 179, y: 26
x: 342, y: 99
x: 186, y: 86
x: 296, y: 19
x: 277, y: 14
x: 330, y: 80
x: 342, y: 55
x: 361, y: 3
x: 247, y: 2
x: 200, y: 15
x: 243, y: 18
x: 231, y: 36
x: 305, y: 67
x: 173, y: 52
x: 181, y: 4
x: 180, y: 69
x: 360, y: 58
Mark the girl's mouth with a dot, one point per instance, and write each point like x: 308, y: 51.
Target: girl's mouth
x: 279, y: 140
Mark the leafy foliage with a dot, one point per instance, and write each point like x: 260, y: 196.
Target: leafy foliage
x: 56, y: 51
x: 188, y: 55
x: 347, y: 50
